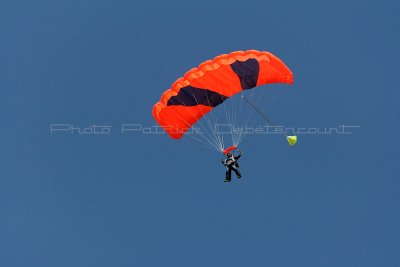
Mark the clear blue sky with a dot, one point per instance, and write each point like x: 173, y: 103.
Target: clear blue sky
x: 141, y: 200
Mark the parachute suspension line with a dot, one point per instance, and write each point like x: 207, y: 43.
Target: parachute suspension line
x: 231, y: 123
x: 208, y: 148
x: 240, y: 121
x: 204, y: 143
x: 250, y: 117
x: 221, y: 134
x: 221, y: 140
x: 227, y: 117
x: 210, y: 142
x: 216, y: 138
x: 243, y: 113
x: 237, y: 123
x: 207, y: 143
x: 264, y: 99
x: 243, y: 120
x: 260, y: 99
x: 209, y: 138
x: 234, y: 125
x: 235, y: 135
x: 246, y: 115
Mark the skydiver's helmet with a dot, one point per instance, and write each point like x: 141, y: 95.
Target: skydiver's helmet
x: 228, y: 155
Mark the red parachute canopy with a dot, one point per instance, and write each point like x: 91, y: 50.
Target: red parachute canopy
x: 211, y: 83
x: 229, y: 149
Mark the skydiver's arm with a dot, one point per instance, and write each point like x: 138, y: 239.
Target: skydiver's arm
x: 238, y: 156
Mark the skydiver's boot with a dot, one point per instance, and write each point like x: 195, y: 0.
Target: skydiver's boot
x: 227, y: 176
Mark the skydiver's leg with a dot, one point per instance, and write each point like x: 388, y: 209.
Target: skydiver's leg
x: 228, y: 175
x: 236, y: 170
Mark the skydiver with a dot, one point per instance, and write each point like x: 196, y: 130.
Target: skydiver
x: 231, y: 164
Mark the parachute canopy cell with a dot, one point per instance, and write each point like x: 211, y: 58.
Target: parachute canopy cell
x: 211, y: 83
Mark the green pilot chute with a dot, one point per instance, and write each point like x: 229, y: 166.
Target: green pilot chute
x: 292, y: 139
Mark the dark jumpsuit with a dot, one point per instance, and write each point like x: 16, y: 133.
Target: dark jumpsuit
x: 231, y: 165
